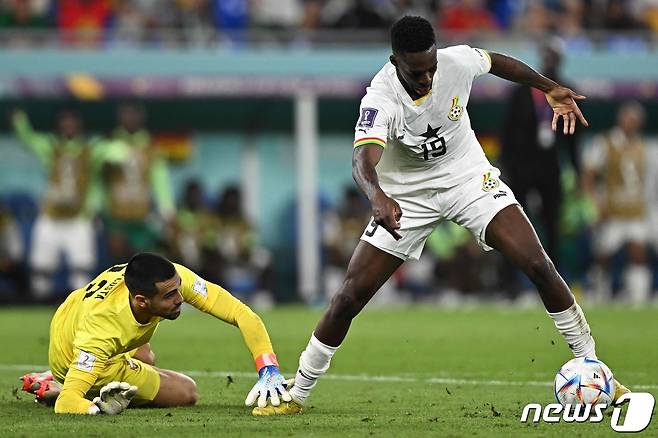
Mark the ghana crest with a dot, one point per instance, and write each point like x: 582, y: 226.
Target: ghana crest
x: 490, y: 182
x: 456, y: 110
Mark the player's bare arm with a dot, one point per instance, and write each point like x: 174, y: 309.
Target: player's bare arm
x: 385, y: 210
x: 561, y: 99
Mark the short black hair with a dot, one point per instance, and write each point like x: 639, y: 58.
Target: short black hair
x: 412, y: 34
x: 144, y: 270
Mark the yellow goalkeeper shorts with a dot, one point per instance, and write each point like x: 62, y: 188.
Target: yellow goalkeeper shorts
x: 127, y: 369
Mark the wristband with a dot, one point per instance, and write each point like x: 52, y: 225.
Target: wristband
x: 266, y: 359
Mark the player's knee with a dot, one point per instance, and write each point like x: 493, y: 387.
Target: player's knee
x: 540, y: 269
x: 150, y: 358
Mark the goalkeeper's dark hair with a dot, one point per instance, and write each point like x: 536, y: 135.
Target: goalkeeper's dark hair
x: 412, y: 34
x: 144, y: 270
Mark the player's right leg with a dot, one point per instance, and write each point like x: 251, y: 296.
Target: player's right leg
x: 155, y: 386
x: 368, y: 270
x: 176, y: 389
x: 145, y: 354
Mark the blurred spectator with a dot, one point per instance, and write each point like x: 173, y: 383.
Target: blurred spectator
x: 467, y: 17
x: 23, y: 17
x: 83, y: 22
x: 276, y: 14
x: 577, y: 218
x: 246, y: 266
x: 617, y: 161
x: 197, y: 233
x: 647, y: 12
x: 535, y: 19
x: 531, y: 149
x: 342, y: 228
x: 63, y: 225
x: 130, y: 175
x: 12, y: 275
x: 618, y: 16
x: 24, y: 14
x: 362, y: 14
x: 571, y: 25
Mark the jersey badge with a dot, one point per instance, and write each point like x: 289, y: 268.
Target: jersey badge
x: 200, y: 287
x: 85, y: 361
x: 490, y: 183
x: 456, y: 110
x: 367, y: 119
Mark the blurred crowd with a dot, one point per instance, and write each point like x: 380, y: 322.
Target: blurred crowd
x: 108, y: 197
x: 176, y: 22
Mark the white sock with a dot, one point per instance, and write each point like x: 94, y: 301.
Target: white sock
x: 572, y: 325
x: 313, y: 362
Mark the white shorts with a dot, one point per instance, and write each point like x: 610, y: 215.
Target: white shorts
x: 471, y: 204
x: 613, y: 234
x: 72, y: 237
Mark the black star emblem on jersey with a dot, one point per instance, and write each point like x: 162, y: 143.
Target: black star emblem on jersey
x: 431, y: 132
x: 433, y: 146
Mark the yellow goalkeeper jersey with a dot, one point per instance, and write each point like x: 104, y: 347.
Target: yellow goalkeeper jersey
x: 95, y: 325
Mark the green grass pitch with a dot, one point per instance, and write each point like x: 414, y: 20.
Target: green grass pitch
x: 413, y: 371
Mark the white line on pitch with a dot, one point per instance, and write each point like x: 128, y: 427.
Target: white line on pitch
x: 350, y: 377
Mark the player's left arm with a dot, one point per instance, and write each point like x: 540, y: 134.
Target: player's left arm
x: 560, y: 98
x: 218, y: 302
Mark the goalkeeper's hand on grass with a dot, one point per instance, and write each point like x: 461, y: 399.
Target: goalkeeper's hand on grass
x: 270, y: 384
x: 114, y: 398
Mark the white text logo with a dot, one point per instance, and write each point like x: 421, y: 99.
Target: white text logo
x: 638, y: 412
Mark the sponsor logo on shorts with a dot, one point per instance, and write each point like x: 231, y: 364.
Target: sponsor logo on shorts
x: 367, y: 119
x: 500, y: 194
x: 456, y: 110
x: 490, y: 182
x: 85, y: 361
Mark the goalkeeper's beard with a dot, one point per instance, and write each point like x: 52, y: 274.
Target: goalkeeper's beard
x: 169, y: 315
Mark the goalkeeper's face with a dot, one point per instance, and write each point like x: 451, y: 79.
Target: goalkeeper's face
x: 168, y: 301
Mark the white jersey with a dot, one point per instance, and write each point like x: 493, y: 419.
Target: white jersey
x: 428, y: 142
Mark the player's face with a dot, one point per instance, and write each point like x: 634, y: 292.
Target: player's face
x: 416, y: 71
x: 168, y: 301
x: 131, y: 118
x: 69, y: 124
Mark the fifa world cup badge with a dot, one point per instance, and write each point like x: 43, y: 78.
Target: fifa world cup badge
x: 490, y: 183
x: 456, y: 110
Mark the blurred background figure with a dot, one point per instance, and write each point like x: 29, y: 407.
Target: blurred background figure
x: 532, y: 152
x: 615, y: 175
x: 196, y: 233
x: 13, y: 278
x: 63, y: 226
x: 467, y: 18
x: 131, y: 176
x: 342, y: 228
x: 246, y: 266
x: 238, y: 92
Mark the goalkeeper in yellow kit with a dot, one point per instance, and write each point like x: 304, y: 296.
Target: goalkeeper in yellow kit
x: 99, y: 353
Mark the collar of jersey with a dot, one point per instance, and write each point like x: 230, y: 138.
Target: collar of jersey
x: 405, y: 95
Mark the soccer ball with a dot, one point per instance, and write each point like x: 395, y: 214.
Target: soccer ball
x: 584, y: 381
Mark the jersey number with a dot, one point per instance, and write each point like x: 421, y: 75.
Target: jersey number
x: 371, y: 231
x: 432, y: 149
x: 91, y: 290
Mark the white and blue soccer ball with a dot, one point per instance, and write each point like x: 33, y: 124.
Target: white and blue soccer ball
x: 584, y: 381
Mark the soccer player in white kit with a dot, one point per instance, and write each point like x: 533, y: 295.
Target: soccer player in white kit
x: 418, y: 161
